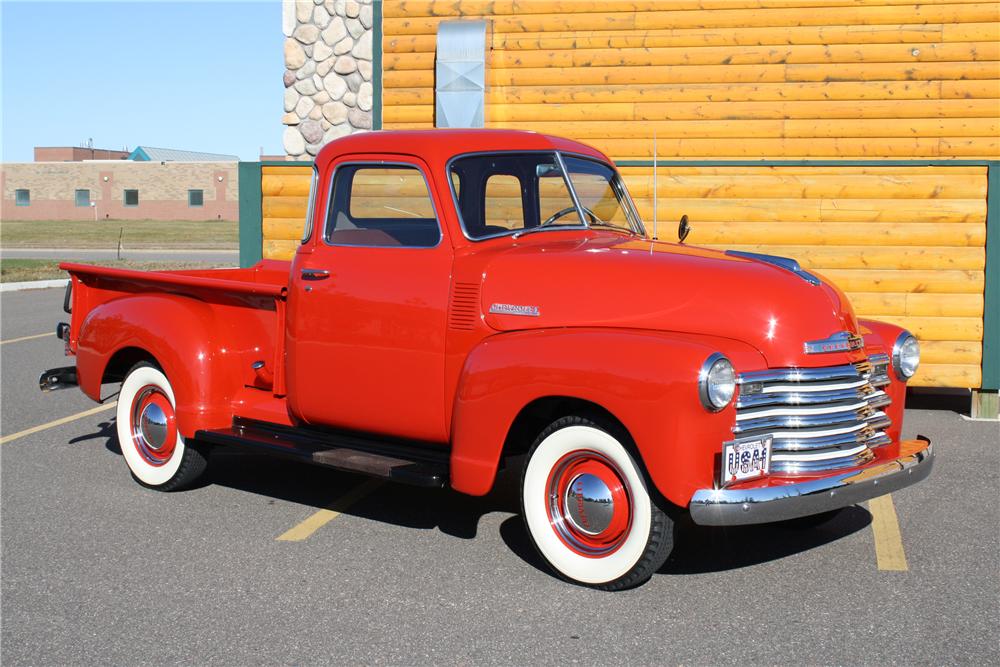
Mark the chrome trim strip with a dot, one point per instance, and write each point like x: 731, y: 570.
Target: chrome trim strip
x: 847, y: 371
x: 821, y: 456
x: 879, y: 439
x: 806, y: 444
x: 731, y: 507
x: 798, y: 398
x: 792, y: 421
x: 842, y: 341
x: 817, y: 386
x: 514, y: 309
x: 839, y: 463
x: 829, y: 407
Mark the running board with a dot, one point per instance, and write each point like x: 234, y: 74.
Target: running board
x: 415, y: 463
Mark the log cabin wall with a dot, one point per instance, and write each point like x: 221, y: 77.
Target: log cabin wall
x: 853, y: 135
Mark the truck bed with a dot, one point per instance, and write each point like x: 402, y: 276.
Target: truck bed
x: 233, y: 318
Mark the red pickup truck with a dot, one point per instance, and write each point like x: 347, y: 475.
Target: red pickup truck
x: 462, y: 300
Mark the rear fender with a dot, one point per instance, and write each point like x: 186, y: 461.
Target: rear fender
x: 645, y: 379
x: 180, y: 333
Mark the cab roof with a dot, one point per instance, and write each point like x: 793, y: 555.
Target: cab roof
x: 440, y: 145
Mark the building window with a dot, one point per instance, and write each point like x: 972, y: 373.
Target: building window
x: 22, y: 197
x: 131, y: 197
x: 196, y: 197
x: 83, y: 197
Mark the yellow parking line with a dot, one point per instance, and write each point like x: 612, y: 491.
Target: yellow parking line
x: 18, y: 340
x: 58, y: 422
x: 888, y: 540
x: 324, y: 516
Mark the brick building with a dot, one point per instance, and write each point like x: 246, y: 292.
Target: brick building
x: 119, y: 190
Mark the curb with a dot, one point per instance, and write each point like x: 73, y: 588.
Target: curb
x: 33, y: 284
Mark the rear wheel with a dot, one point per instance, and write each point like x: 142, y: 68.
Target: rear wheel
x: 588, y: 509
x: 153, y: 448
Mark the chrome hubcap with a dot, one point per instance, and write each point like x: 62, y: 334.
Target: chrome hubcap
x: 153, y: 426
x: 589, y: 504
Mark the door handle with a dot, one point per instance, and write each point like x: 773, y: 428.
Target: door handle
x: 315, y: 274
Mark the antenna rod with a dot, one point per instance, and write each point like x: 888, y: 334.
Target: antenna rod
x: 655, y: 193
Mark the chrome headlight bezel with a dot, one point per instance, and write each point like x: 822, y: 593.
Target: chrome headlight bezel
x: 716, y: 382
x: 903, y: 351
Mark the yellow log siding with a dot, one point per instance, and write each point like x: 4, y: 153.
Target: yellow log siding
x: 719, y: 79
x: 905, y: 243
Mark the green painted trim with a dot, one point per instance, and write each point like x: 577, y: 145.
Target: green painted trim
x: 284, y: 163
x: 251, y: 215
x: 377, y: 65
x: 991, y: 296
x: 806, y: 163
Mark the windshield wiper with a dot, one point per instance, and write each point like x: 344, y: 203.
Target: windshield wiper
x: 608, y: 225
x: 540, y: 228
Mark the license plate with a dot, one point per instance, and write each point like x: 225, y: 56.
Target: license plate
x: 745, y: 459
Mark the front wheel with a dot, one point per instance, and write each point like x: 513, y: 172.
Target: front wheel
x: 154, y: 449
x: 587, y: 507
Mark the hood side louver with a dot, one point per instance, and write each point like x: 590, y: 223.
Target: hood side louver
x: 463, y: 311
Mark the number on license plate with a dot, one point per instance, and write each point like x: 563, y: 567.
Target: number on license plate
x: 745, y: 459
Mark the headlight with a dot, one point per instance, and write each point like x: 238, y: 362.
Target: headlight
x: 905, y: 356
x: 716, y: 382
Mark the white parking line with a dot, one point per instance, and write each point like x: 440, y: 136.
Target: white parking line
x: 58, y: 422
x: 18, y: 340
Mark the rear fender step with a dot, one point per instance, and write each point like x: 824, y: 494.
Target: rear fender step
x: 415, y: 463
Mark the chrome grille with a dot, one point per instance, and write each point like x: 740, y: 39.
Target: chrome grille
x: 819, y: 418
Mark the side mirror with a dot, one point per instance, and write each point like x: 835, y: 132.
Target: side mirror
x: 683, y: 229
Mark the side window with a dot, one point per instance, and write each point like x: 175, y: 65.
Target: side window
x: 82, y: 197
x: 504, y: 208
x: 22, y: 197
x: 131, y: 198
x: 381, y: 205
x: 196, y: 198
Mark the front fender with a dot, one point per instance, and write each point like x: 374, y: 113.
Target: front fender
x: 181, y: 334
x: 646, y: 379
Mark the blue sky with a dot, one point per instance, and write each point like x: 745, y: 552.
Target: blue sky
x: 200, y: 76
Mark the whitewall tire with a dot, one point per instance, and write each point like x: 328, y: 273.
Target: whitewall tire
x: 151, y: 444
x: 588, y: 509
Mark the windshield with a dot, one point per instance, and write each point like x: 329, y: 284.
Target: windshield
x: 518, y: 193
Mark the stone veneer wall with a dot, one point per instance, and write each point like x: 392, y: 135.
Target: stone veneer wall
x: 328, y: 72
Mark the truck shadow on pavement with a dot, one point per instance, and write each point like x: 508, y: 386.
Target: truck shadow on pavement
x: 698, y: 549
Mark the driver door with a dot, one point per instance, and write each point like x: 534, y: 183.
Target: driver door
x: 367, y: 307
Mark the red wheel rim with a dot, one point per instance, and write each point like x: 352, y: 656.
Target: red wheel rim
x: 589, y: 503
x: 154, y: 425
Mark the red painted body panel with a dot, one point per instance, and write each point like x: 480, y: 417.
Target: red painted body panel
x: 366, y: 343
x: 643, y: 378
x: 623, y: 322
x: 204, y: 331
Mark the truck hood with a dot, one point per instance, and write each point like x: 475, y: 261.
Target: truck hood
x: 607, y: 280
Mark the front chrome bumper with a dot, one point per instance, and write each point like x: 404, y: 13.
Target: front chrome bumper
x: 731, y: 507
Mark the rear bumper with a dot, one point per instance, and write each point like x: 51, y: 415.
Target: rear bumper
x: 731, y: 507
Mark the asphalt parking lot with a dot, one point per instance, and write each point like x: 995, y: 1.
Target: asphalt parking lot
x: 280, y: 563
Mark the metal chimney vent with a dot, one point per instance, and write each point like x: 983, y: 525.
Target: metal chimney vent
x: 460, y: 81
